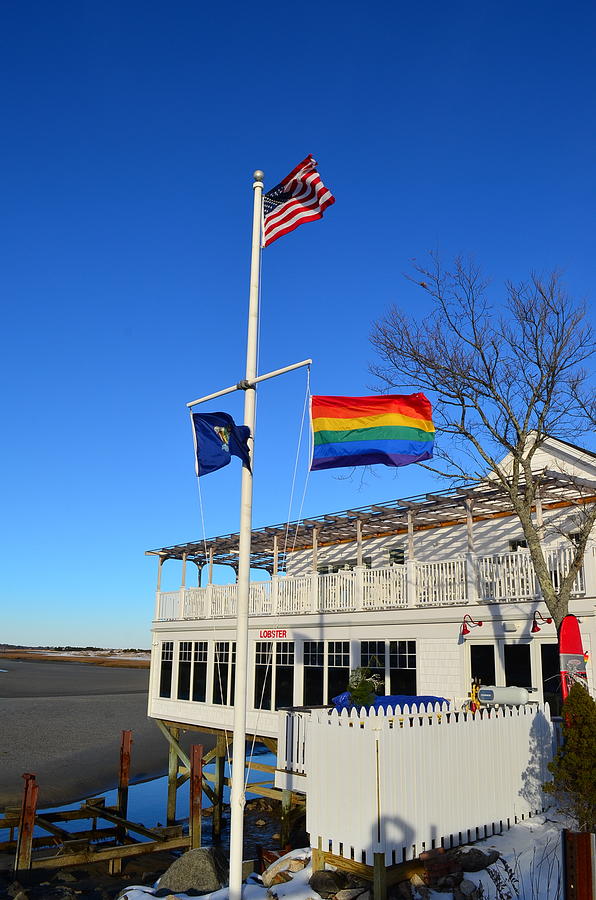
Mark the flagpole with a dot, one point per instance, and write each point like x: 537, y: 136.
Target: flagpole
x: 237, y: 795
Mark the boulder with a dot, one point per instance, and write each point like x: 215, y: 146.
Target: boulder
x: 352, y: 893
x: 467, y: 890
x: 327, y: 883
x: 201, y: 870
x: 471, y: 859
x: 281, y: 865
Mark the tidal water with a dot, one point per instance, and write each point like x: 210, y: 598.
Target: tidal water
x: 147, y: 805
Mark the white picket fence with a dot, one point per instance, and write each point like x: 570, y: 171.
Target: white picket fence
x: 405, y: 781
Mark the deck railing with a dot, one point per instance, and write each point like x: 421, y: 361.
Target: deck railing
x: 499, y: 578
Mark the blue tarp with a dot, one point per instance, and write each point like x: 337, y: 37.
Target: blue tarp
x: 342, y: 701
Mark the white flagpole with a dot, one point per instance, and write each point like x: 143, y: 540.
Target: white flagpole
x: 237, y: 797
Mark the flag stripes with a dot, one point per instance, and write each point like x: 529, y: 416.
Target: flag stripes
x: 301, y: 197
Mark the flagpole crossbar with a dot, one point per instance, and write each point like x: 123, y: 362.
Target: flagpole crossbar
x: 246, y: 385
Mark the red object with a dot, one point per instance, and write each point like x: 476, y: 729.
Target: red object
x: 578, y: 865
x: 572, y: 661
x: 464, y: 630
x: 301, y: 197
x: 535, y: 626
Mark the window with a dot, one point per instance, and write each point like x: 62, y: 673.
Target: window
x: 165, y: 676
x: 263, y: 674
x: 517, y: 665
x: 184, y: 663
x: 397, y: 556
x: 551, y: 678
x: 343, y: 565
x: 482, y: 663
x: 402, y: 667
x: 199, y: 674
x: 372, y: 656
x: 274, y: 674
x: 284, y: 674
x: 314, y: 670
x: 352, y: 563
x: 518, y: 544
x: 338, y: 668
x: 224, y: 670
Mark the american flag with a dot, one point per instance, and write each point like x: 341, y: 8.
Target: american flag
x: 300, y: 197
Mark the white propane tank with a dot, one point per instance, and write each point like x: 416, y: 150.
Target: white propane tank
x: 504, y: 696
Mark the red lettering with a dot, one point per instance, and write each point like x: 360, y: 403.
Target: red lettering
x: 268, y: 634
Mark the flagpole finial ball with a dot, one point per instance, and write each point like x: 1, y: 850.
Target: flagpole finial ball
x: 258, y: 175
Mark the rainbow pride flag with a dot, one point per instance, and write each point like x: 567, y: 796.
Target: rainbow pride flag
x: 392, y: 429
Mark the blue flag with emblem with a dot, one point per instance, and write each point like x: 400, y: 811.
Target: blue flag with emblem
x: 217, y: 438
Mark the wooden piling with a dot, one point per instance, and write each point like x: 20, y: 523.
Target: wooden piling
x: 285, y: 823
x: 124, y: 775
x: 196, y: 795
x: 26, y: 823
x: 220, y: 761
x: 172, y: 777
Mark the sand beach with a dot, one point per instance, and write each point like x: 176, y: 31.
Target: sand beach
x: 62, y: 721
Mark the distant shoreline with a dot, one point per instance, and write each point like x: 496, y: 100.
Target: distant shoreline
x: 121, y: 662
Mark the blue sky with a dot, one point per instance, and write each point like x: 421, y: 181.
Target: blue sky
x: 130, y: 134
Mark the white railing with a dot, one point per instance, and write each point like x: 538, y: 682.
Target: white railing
x: 441, y: 583
x: 291, y: 741
x: 259, y: 598
x: 294, y: 595
x: 168, y: 605
x: 499, y: 578
x: 195, y: 603
x: 385, y: 588
x: 223, y: 600
x: 506, y: 576
x: 427, y: 780
x: 559, y: 562
x: 336, y: 592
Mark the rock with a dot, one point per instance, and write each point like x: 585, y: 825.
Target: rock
x: 403, y: 891
x: 350, y: 893
x: 280, y: 865
x: 201, y: 869
x: 447, y: 883
x: 295, y: 865
x: 327, y: 883
x: 65, y: 876
x: 420, y: 887
x: 468, y: 888
x: 471, y: 859
x: 281, y: 878
x: 355, y: 881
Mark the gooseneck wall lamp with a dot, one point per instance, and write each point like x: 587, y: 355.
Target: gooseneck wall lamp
x: 535, y: 626
x: 468, y: 622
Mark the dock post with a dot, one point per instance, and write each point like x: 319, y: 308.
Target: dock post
x: 26, y: 823
x: 220, y: 760
x: 196, y: 795
x: 286, y: 809
x: 125, y: 748
x: 379, y: 877
x: 318, y: 857
x: 172, y: 778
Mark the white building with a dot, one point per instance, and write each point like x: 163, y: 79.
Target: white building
x: 385, y: 586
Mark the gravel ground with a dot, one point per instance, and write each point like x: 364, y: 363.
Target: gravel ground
x: 63, y: 722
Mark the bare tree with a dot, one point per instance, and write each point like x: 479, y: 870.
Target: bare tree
x: 501, y: 382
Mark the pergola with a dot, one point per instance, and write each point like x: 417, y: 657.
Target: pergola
x: 476, y: 501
